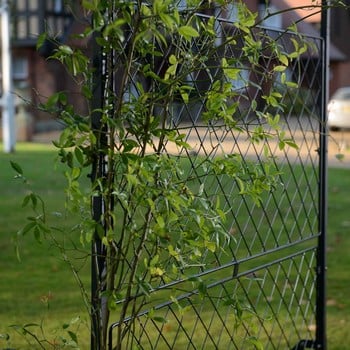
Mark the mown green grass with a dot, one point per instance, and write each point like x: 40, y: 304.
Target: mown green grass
x: 41, y: 288
x: 338, y: 259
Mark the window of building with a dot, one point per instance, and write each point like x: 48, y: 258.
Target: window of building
x: 20, y: 68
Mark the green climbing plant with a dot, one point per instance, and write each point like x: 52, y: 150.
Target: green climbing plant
x: 152, y: 224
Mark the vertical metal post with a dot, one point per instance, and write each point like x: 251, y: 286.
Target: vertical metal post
x: 8, y: 110
x: 42, y: 6
x: 98, y: 209
x: 321, y: 339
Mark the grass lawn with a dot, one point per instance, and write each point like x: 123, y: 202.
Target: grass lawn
x: 41, y: 287
x: 338, y: 259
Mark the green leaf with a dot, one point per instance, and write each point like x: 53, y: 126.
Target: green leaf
x: 41, y: 40
x: 75, y: 173
x: 210, y: 245
x: 284, y: 60
x: 37, y: 233
x: 160, y: 319
x: 173, y: 252
x: 31, y: 325
x: 73, y: 336
x: 34, y: 200
x: 340, y: 156
x: 188, y: 32
x: 87, y: 91
x: 16, y: 167
x: 160, y: 222
x: 291, y: 143
x: 281, y: 144
x: 129, y: 145
x: 291, y: 84
x: 256, y: 342
x: 185, y: 96
x: 279, y: 68
x: 26, y: 228
x: 65, y: 49
x: 43, y: 228
x: 84, y: 127
x: 154, y: 260
x: 105, y: 241
x: 283, y: 78
x: 152, y: 316
x: 202, y: 289
x: 158, y: 7
x: 171, y: 71
x: 167, y: 20
x: 156, y: 271
x: 91, y: 5
x: 230, y: 72
x: 79, y: 155
x: 172, y: 59
x: 145, y: 10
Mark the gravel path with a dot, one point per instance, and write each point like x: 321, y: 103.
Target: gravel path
x: 338, y: 145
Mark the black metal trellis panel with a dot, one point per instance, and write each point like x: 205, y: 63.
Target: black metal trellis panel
x: 266, y: 289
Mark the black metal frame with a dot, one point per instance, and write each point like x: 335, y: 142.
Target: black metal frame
x: 97, y: 204
x: 321, y: 336
x: 243, y: 269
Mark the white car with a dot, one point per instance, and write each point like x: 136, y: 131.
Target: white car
x: 339, y: 109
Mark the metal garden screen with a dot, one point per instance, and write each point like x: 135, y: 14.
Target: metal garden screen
x: 263, y: 289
